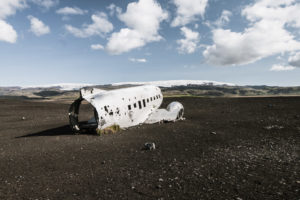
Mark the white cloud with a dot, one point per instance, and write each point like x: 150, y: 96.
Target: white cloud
x: 8, y: 8
x: 143, y: 19
x: 189, y: 43
x: 294, y: 60
x: 100, y: 27
x: 279, y: 68
x: 124, y: 41
x: 266, y: 35
x: 97, y: 47
x: 224, y: 19
x: 188, y: 11
x: 138, y: 60
x: 71, y: 11
x: 7, y: 32
x: 285, y: 11
x: 113, y: 9
x: 46, y: 3
x: 37, y: 26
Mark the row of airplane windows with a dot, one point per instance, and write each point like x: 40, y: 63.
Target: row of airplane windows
x: 144, y: 102
x: 134, y: 105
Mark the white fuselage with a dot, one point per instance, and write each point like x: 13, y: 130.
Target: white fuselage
x: 124, y: 107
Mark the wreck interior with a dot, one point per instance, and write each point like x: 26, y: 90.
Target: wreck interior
x: 86, y: 121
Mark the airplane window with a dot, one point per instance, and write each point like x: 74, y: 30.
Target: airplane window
x: 153, y: 98
x: 147, y: 100
x: 134, y: 105
x: 150, y: 98
x: 129, y: 107
x: 144, y: 102
x: 140, y: 105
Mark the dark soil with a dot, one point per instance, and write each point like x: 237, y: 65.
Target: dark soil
x: 227, y: 148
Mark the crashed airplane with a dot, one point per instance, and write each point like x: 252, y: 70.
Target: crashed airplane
x: 123, y: 107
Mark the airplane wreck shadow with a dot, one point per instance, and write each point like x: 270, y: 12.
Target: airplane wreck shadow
x: 62, y: 130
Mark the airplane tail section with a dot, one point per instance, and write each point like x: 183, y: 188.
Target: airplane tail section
x: 173, y: 112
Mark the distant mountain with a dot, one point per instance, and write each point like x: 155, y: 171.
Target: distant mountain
x: 60, y: 86
x: 172, y: 83
x: 169, y: 83
x: 203, y: 88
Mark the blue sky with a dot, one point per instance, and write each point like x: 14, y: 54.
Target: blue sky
x: 105, y: 41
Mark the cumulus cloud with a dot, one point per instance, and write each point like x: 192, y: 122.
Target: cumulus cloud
x: 143, y: 19
x: 224, y: 19
x: 279, y: 68
x: 138, y: 60
x: 71, y: 11
x: 8, y: 8
x: 266, y: 35
x: 294, y: 60
x: 97, y: 47
x: 124, y: 41
x: 189, y: 43
x: 113, y: 9
x: 37, y: 26
x: 285, y: 11
x: 46, y: 3
x: 264, y: 39
x: 7, y: 32
x: 99, y: 27
x: 188, y: 11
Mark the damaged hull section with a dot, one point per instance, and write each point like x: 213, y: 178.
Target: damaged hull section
x: 124, y: 107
